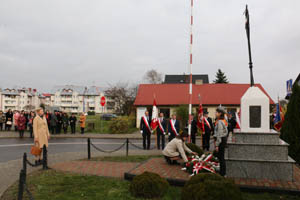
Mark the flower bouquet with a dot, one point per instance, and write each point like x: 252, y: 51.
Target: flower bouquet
x: 205, y: 163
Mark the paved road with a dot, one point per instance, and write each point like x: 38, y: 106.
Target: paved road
x: 12, y: 149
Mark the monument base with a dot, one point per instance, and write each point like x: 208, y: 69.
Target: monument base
x: 258, y: 156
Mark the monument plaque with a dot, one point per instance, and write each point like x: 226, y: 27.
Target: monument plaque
x: 255, y: 116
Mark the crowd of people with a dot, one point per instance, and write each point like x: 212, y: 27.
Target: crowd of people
x: 58, y: 122
x: 223, y: 124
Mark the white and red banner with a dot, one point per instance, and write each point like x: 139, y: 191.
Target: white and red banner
x: 161, y: 127
x: 146, y: 123
x: 238, y: 121
x: 154, y: 121
x: 200, y: 122
x: 173, y: 127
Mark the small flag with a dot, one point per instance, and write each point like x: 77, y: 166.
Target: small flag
x: 278, y: 121
x: 154, y: 121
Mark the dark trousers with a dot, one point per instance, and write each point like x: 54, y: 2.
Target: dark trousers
x: 73, y: 128
x: 82, y: 130
x: 58, y: 128
x: 53, y: 130
x: 146, y: 140
x: 31, y: 131
x: 162, y: 137
x: 1, y: 126
x: 7, y: 127
x: 21, y: 133
x: 206, y: 141
x: 65, y: 129
x: 193, y: 138
x: 221, y: 158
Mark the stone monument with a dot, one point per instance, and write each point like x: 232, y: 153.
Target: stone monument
x: 256, y: 151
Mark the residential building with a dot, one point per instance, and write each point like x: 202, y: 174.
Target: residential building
x: 76, y: 99
x: 197, y: 79
x: 19, y: 99
x: 170, y: 96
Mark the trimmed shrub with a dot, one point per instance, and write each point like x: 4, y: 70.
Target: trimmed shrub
x: 148, y: 185
x: 290, y: 131
x: 195, y: 148
x: 119, y: 125
x: 91, y: 113
x: 210, y: 186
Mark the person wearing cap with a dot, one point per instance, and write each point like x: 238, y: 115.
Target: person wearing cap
x: 208, y: 129
x: 175, y: 150
x: 220, y: 135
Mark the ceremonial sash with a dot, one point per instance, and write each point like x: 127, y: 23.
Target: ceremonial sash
x: 207, y: 123
x: 173, y: 127
x: 146, y: 123
x: 160, y: 126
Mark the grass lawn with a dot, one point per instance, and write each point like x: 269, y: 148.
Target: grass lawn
x: 101, y: 126
x: 138, y: 158
x: 51, y: 185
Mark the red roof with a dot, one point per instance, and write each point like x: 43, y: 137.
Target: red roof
x: 176, y: 94
x: 46, y: 95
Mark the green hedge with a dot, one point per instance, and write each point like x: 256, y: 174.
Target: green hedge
x: 121, y: 124
x: 210, y: 186
x: 195, y: 148
x: 148, y: 185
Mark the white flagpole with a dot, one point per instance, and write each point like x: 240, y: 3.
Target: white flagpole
x: 191, y: 63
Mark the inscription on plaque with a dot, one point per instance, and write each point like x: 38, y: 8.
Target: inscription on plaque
x: 255, y: 116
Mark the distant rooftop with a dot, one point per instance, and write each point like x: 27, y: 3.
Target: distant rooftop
x: 184, y: 78
x: 69, y: 89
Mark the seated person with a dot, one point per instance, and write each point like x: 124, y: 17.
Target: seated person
x: 175, y: 150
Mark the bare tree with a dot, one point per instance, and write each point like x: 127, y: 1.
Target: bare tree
x: 153, y: 77
x: 123, y: 95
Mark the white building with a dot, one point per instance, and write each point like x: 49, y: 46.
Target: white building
x: 19, y: 99
x: 76, y: 99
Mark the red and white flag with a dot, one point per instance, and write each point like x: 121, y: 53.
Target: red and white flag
x: 238, y: 121
x: 200, y: 121
x: 154, y: 121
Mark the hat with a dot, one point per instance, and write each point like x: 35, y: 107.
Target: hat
x: 220, y: 109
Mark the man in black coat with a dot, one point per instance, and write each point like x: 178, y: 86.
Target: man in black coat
x: 146, y: 130
x: 208, y: 129
x: 173, y: 127
x: 231, y: 123
x: 73, y: 121
x: 161, y: 131
x: 194, y: 130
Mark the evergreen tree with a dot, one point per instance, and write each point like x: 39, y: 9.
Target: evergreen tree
x: 290, y: 131
x: 221, y: 77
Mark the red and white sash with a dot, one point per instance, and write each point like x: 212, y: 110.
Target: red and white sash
x: 161, y: 127
x: 206, y: 122
x: 146, y: 123
x: 173, y: 127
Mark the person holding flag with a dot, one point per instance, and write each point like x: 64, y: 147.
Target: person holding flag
x: 173, y: 127
x: 161, y: 131
x: 146, y: 130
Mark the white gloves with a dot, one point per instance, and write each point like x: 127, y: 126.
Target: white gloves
x: 141, y: 131
x: 169, y: 134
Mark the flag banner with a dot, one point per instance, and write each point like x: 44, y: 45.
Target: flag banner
x: 200, y: 121
x: 289, y: 87
x: 278, y: 121
x: 238, y: 120
x: 154, y: 121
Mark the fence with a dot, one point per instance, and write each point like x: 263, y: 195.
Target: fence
x: 23, y: 173
x: 126, y: 143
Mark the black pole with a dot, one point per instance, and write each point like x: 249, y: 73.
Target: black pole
x: 89, y: 148
x: 25, y: 163
x: 45, y: 159
x: 21, y: 184
x: 127, y: 146
x: 249, y: 45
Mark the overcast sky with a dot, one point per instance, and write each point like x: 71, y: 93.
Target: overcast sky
x: 94, y: 42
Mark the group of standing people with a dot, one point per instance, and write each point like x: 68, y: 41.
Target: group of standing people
x: 176, y: 148
x: 57, y: 122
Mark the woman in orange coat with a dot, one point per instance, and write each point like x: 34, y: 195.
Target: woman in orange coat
x: 82, y: 120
